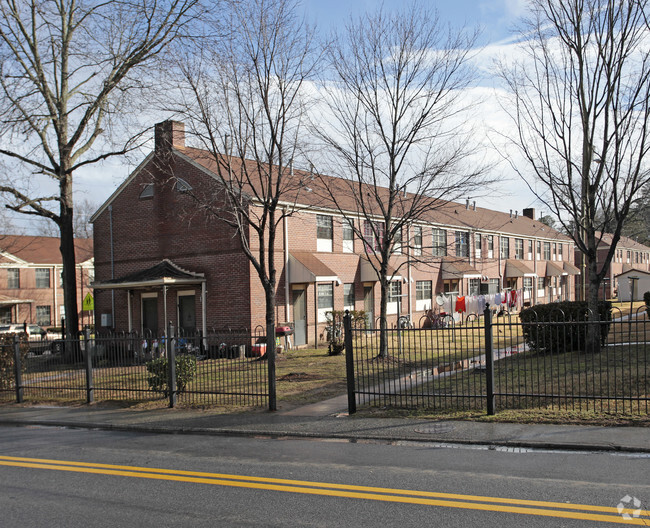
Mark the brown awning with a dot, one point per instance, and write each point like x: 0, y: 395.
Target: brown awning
x: 570, y: 269
x: 458, y: 269
x: 549, y: 269
x: 368, y: 270
x: 517, y: 268
x: 306, y: 267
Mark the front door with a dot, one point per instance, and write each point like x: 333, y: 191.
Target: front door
x: 369, y: 305
x: 300, y: 317
x: 150, y: 315
x: 187, y: 313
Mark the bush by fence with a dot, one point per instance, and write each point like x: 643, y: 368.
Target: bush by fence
x: 562, y: 327
x: 7, y: 361
x: 159, y: 373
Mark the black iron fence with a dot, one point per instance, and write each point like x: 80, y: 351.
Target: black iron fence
x: 503, y: 361
x: 224, y: 368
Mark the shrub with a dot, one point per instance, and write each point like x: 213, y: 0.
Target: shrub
x: 646, y: 300
x: 335, y: 334
x: 7, y: 374
x: 549, y: 328
x: 159, y: 373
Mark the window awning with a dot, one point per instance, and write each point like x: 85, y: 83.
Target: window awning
x: 368, y: 272
x: 306, y: 267
x: 458, y: 269
x: 166, y: 273
x: 549, y: 269
x: 517, y: 268
x: 570, y: 269
x: 11, y: 301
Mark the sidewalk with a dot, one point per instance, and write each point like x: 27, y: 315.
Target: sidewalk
x: 328, y: 420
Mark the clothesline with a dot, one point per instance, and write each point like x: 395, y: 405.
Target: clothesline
x: 475, y: 304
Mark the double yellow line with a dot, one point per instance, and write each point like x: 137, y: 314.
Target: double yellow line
x: 428, y: 498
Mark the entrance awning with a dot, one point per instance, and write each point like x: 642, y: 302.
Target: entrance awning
x: 458, y: 269
x: 517, y: 268
x: 570, y: 269
x: 368, y: 272
x: 166, y: 273
x: 11, y: 301
x: 549, y: 269
x: 308, y: 268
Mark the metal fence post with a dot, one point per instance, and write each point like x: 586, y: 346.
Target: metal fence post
x: 90, y: 390
x: 349, y: 362
x: 171, y: 363
x: 270, y: 358
x: 489, y: 360
x: 18, y: 367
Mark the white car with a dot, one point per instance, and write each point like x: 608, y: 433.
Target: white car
x: 34, y: 332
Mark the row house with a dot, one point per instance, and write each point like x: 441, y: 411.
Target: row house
x: 31, y: 288
x: 160, y: 258
x: 629, y: 256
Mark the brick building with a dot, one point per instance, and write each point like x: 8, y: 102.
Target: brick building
x: 30, y: 279
x: 159, y: 257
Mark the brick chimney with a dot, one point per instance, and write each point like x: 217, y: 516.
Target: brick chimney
x: 169, y: 134
x: 529, y: 213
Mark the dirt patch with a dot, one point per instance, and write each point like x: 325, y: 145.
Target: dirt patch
x: 299, y: 376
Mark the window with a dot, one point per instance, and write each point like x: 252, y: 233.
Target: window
x: 490, y: 246
x: 519, y: 249
x: 42, y: 278
x: 547, y: 251
x: 477, y: 244
x: 348, y: 296
x: 554, y: 251
x: 324, y: 233
x: 439, y: 243
x: 43, y: 315
x: 13, y: 278
x: 417, y: 241
x: 541, y: 284
x: 539, y: 250
x: 474, y: 286
x: 493, y: 286
x: 629, y: 254
x: 147, y: 191
x: 528, y: 288
x: 373, y: 235
x: 504, y: 247
x: 394, y: 296
x: 397, y: 242
x: 348, y: 237
x: 462, y: 244
x: 530, y: 250
x: 325, y: 293
x: 422, y: 295
x: 636, y: 257
x: 559, y: 252
x: 182, y: 185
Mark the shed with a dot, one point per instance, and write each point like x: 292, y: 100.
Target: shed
x: 641, y: 284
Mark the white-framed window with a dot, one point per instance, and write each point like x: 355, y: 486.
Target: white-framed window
x: 528, y: 287
x: 417, y: 241
x: 43, y: 315
x: 348, y: 237
x: 474, y: 286
x: 547, y: 251
x: 478, y: 243
x: 539, y: 250
x: 13, y: 278
x: 530, y: 250
x: 373, y: 235
x: 554, y: 251
x: 541, y: 286
x: 397, y: 242
x: 493, y: 286
x: 394, y: 296
x: 348, y: 296
x: 462, y: 244
x: 519, y: 248
x: 439, y: 242
x: 423, y: 295
x: 42, y: 277
x: 560, y: 256
x: 324, y: 233
x: 325, y: 300
x: 490, y: 246
x: 504, y: 247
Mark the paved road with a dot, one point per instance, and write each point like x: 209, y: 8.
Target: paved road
x: 63, y: 477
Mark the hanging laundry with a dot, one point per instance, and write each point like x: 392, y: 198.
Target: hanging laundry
x: 497, y: 299
x: 446, y: 304
x: 472, y: 304
x: 481, y: 303
x: 460, y: 304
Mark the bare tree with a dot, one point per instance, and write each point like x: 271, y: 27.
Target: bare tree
x: 581, y: 106
x: 67, y: 68
x: 245, y: 103
x: 82, y: 228
x: 394, y: 127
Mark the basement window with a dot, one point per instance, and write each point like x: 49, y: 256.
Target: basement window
x: 147, y: 191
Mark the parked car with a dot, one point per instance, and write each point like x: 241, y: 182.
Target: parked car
x: 34, y: 331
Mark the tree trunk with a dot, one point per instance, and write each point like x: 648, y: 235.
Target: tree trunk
x: 593, y: 329
x: 68, y: 259
x: 383, y: 322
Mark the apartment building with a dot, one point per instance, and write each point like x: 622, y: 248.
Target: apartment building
x: 160, y: 258
x: 31, y: 289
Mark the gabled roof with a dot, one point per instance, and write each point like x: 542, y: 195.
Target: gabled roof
x: 163, y: 273
x: 42, y: 250
x: 623, y: 243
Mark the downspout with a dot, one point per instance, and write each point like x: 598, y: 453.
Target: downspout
x: 204, y: 316
x: 110, y: 224
x: 286, y: 264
